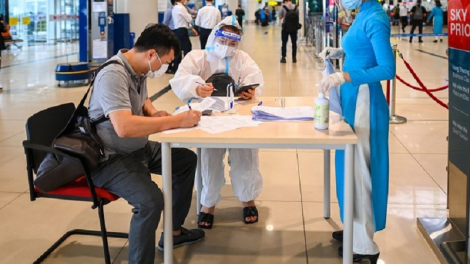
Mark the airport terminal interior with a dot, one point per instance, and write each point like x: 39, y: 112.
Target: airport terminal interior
x: 291, y: 228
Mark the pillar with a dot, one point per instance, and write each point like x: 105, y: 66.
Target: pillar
x: 250, y: 7
x: 141, y: 14
x: 302, y: 8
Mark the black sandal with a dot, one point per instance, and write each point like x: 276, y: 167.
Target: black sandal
x: 250, y: 212
x: 206, y: 218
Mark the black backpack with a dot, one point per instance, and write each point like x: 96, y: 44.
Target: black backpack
x: 220, y: 82
x: 291, y: 20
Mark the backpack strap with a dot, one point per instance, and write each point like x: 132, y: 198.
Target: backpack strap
x: 295, y: 8
x: 82, y: 102
x: 285, y: 7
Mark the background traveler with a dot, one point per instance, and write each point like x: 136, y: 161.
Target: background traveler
x: 168, y: 20
x: 181, y: 19
x: 206, y: 20
x: 403, y: 16
x: 240, y: 13
x: 437, y: 14
x: 417, y: 16
x: 289, y: 15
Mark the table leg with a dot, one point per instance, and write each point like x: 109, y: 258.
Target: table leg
x: 168, y: 209
x: 198, y: 181
x: 348, y: 205
x: 326, y: 183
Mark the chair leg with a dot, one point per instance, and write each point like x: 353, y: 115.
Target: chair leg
x: 79, y: 232
x: 103, y: 233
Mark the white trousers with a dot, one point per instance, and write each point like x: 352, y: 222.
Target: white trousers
x: 245, y: 176
x: 363, y: 222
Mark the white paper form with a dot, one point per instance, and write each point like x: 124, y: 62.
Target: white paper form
x: 216, y: 104
x: 100, y: 49
x: 218, y: 124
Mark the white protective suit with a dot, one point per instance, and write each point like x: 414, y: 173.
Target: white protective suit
x: 198, y: 66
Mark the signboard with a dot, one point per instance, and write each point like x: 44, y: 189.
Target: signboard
x: 13, y: 21
x: 26, y: 20
x: 459, y: 83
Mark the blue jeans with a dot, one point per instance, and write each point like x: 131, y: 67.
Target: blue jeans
x: 128, y: 176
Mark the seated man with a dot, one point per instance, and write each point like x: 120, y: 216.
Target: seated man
x: 120, y: 94
x: 221, y: 55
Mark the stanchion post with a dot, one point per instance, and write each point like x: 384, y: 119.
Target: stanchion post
x: 394, y: 119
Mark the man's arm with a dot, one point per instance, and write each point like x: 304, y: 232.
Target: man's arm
x: 167, y: 17
x: 150, y: 110
x: 219, y: 16
x: 412, y: 11
x: 128, y: 125
x: 198, y: 17
x: 185, y: 13
x: 281, y: 13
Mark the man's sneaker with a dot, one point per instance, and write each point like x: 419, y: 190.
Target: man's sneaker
x: 187, y: 237
x: 283, y: 60
x: 294, y: 60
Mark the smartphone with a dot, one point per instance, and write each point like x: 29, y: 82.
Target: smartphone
x: 245, y: 88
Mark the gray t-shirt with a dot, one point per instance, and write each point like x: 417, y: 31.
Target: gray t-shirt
x: 118, y: 87
x: 283, y: 11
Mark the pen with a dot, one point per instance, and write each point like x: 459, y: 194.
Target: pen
x: 200, y: 83
x: 260, y: 103
x: 189, y: 106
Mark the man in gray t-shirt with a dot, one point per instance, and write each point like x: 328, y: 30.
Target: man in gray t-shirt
x: 120, y: 94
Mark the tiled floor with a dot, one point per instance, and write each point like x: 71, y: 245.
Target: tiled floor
x: 291, y: 227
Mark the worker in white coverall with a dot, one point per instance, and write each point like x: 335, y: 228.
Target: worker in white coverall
x: 222, y: 56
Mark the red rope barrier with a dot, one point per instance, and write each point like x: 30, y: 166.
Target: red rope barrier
x: 419, y: 89
x: 422, y: 85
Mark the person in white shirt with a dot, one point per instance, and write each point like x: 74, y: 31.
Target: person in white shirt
x: 206, y: 19
x: 403, y: 16
x: 181, y: 19
x: 223, y: 56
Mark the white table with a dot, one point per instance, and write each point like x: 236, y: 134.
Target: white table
x: 279, y: 135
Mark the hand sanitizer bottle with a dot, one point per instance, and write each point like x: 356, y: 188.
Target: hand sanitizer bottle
x: 322, y: 112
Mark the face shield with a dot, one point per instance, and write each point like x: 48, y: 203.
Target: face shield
x: 223, y: 40
x: 227, y: 38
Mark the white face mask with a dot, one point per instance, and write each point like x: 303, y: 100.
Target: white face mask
x: 223, y: 50
x: 159, y: 72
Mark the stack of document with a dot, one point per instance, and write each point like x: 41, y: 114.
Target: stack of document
x: 216, y: 104
x: 267, y: 113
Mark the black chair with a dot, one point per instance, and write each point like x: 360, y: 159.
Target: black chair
x: 41, y: 130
